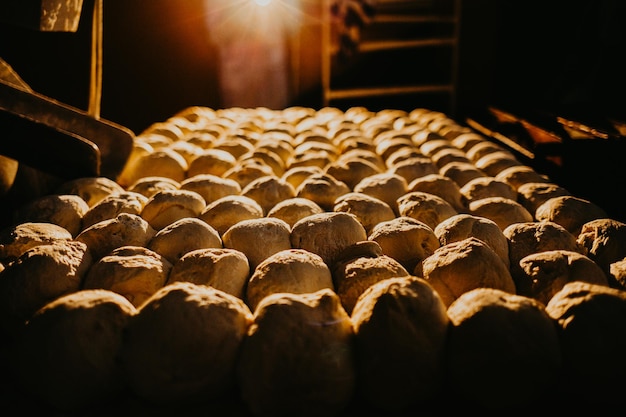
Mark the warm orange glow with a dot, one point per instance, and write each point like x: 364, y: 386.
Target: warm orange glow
x: 258, y: 45
x: 253, y: 18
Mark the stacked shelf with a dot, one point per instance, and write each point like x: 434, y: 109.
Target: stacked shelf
x: 408, y: 50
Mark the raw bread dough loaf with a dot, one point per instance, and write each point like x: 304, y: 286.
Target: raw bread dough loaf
x: 425, y: 207
x: 386, y: 146
x: 433, y: 146
x: 259, y: 238
x: 351, y: 170
x: 211, y: 187
x: 268, y: 158
x: 182, y: 345
x: 482, y: 187
x: 465, y: 141
x: 268, y: 191
x: 570, y: 212
x: 323, y: 189
x: 413, y: 168
x: 501, y: 210
x: 112, y: 205
x: 424, y: 135
x: 38, y: 276
x: 592, y: 331
x: 17, y: 239
x: 212, y: 161
x: 461, y: 266
x: 221, y: 268
x: 293, y: 271
x: 162, y: 162
x: 369, y: 210
x: 495, y: 162
x: 446, y: 155
x: 234, y: 145
x: 296, y: 175
x: 316, y: 158
x: 545, y: 273
x: 90, y: 189
x: 385, y: 186
x: 503, y: 351
x: 247, y: 171
x: 167, y: 206
x: 68, y: 354
x: 400, y: 357
x: 132, y: 271
x: 402, y: 154
x: 293, y: 209
x: 139, y: 150
x: 605, y: 241
x: 187, y: 150
x: 182, y: 236
x: 124, y: 230
x: 533, y: 194
x: 465, y: 225
x: 407, y: 240
x: 230, y: 210
x: 149, y: 186
x: 351, y: 277
x: 521, y: 174
x: 461, y: 172
x: 441, y: 186
x: 532, y: 237
x: 65, y: 210
x: 483, y: 148
x: 169, y: 130
x: 327, y: 234
x: 297, y: 358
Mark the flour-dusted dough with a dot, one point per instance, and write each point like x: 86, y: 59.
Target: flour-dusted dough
x: 68, y: 354
x: 591, y: 320
x: 65, y: 210
x: 400, y: 357
x: 407, y: 240
x: 545, y: 273
x: 17, y: 239
x: 230, y: 210
x: 503, y: 351
x: 461, y: 266
x: 123, y: 230
x: 293, y: 271
x: 132, y: 271
x: 167, y: 206
x: 327, y: 234
x: 182, y: 236
x: 38, y: 276
x: 298, y: 358
x: 225, y: 269
x: 258, y: 238
x: 182, y: 345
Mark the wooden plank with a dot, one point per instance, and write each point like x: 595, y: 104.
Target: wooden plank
x: 388, y: 91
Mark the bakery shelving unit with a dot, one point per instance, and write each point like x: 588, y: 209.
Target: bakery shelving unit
x: 407, y: 52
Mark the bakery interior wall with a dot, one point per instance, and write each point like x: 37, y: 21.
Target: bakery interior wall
x: 161, y: 56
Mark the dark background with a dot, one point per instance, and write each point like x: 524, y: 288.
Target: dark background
x: 158, y: 58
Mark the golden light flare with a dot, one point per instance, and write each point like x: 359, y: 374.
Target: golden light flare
x: 241, y: 19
